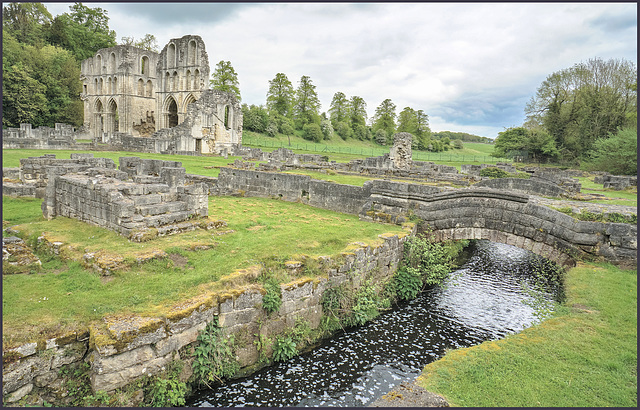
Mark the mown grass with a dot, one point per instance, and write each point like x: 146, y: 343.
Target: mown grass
x: 341, y: 150
x: 198, y: 165
x: 628, y: 197
x: 584, y: 357
x: 264, y: 229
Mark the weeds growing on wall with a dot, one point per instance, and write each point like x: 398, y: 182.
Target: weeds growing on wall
x: 166, y: 389
x: 214, y: 359
x: 585, y: 215
x: 272, y: 300
x: 425, y: 263
x: 284, y: 348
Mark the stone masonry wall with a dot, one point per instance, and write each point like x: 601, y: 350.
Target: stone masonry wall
x: 122, y: 349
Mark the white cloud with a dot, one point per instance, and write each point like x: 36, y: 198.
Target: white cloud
x: 470, y: 66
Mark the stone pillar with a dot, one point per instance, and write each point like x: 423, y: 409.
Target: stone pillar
x: 401, y: 151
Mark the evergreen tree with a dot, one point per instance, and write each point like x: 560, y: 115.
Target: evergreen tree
x: 280, y: 96
x: 307, y: 104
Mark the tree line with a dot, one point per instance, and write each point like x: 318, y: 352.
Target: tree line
x: 582, y: 115
x: 291, y: 111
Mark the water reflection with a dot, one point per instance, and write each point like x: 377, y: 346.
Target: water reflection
x: 482, y: 300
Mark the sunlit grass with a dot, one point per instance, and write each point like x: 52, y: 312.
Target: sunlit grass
x: 263, y: 229
x: 628, y: 197
x: 584, y: 357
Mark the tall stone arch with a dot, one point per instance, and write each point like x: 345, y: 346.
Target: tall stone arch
x: 98, y: 119
x: 112, y: 117
x: 170, y: 112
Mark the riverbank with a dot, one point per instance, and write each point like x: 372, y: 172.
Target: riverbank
x: 585, y: 356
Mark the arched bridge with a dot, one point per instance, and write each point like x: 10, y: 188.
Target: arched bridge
x: 506, y: 217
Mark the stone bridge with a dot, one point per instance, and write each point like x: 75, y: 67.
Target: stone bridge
x: 506, y: 217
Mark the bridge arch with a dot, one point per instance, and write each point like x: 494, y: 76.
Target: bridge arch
x: 505, y: 217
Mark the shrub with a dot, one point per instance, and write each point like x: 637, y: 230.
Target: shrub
x: 407, y: 283
x: 312, y: 132
x: 494, y: 172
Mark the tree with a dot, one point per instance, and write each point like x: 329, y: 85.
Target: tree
x: 255, y: 118
x: 384, y: 118
x: 327, y: 128
x: 280, y: 95
x: 339, y: 108
x: 148, y: 42
x: 312, y: 132
x: 25, y: 21
x: 357, y: 111
x: 83, y: 31
x: 581, y: 104
x: 307, y: 104
x: 225, y: 78
x: 617, y: 154
x: 23, y: 99
x: 537, y: 144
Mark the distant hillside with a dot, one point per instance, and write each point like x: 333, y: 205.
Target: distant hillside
x: 462, y: 136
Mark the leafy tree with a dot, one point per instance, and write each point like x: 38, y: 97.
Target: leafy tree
x: 312, y: 132
x: 83, y: 31
x: 225, y: 78
x: 280, y: 95
x: 339, y: 109
x: 357, y: 111
x: 462, y: 136
x: 23, y: 98
x: 307, y: 104
x: 385, y: 118
x: 381, y: 136
x: 25, y: 21
x: 581, y: 104
x: 537, y: 143
x: 361, y: 132
x: 457, y: 144
x: 255, y: 118
x: 344, y: 130
x: 617, y: 154
x: 148, y: 42
x: 327, y: 128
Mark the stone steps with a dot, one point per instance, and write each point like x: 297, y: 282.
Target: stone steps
x: 161, y: 208
x: 168, y: 218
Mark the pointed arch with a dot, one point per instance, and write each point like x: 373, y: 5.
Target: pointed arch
x: 144, y: 65
x: 196, y: 80
x: 98, y: 119
x: 141, y: 87
x: 112, y: 116
x: 175, y: 86
x: 189, y: 100
x: 191, y: 52
x: 187, y: 80
x: 149, y: 88
x: 98, y: 67
x: 170, y: 112
x: 167, y: 81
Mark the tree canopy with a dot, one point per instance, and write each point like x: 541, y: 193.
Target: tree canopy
x: 225, y: 78
x: 385, y: 118
x: 280, y: 95
x: 583, y: 103
x: 307, y: 104
x: 536, y: 144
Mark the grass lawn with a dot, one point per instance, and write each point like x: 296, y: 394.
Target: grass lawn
x: 65, y: 295
x: 586, y: 356
x: 627, y: 197
x: 198, y: 165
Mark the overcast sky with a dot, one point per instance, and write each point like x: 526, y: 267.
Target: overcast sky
x: 471, y: 67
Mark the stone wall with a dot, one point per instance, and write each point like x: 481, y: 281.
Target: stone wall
x: 473, y: 169
x: 290, y: 187
x: 122, y: 349
x: 532, y: 186
x: 63, y: 136
x: 141, y: 200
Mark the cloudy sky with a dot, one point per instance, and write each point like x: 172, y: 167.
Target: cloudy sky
x: 471, y: 67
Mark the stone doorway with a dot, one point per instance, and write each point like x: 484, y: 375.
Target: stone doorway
x: 172, y: 116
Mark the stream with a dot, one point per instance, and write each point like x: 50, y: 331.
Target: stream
x: 484, y: 299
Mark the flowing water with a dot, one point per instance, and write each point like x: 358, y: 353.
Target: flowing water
x: 485, y: 299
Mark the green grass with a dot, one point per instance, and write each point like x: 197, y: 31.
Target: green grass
x: 628, y: 197
x: 264, y: 229
x: 198, y: 165
x: 340, y: 150
x: 584, y: 357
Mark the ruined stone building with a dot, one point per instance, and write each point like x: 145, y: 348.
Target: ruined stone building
x: 129, y: 92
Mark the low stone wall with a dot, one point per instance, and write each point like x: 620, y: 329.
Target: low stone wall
x: 290, y: 187
x: 122, y: 349
x: 530, y: 186
x: 473, y: 169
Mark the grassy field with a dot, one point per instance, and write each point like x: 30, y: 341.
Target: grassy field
x: 64, y: 294
x: 584, y: 357
x: 343, y: 151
